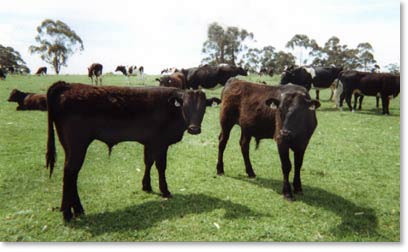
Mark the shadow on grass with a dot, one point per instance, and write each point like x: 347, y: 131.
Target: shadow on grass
x: 355, y: 220
x: 145, y: 215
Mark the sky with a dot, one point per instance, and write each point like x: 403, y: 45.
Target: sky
x: 160, y: 34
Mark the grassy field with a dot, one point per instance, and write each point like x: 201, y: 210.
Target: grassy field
x: 350, y: 175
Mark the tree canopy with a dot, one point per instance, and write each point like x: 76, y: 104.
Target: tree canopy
x: 12, y: 58
x: 56, y: 43
x: 225, y: 45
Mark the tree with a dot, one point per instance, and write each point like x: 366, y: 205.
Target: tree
x: 224, y: 45
x: 303, y: 45
x: 393, y: 68
x: 57, y: 42
x: 12, y: 58
x: 365, y: 55
x: 282, y: 60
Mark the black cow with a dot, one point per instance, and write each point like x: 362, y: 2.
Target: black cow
x: 285, y: 113
x: 312, y: 77
x: 209, y: 76
x: 95, y: 70
x: 41, y: 71
x: 385, y: 85
x: 2, y: 74
x: 156, y: 117
x: 121, y: 69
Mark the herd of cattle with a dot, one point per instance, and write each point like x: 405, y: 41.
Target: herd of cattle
x: 157, y: 117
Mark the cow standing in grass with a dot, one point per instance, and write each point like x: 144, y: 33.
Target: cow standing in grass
x: 210, y: 76
x: 2, y: 74
x: 95, y: 71
x: 156, y: 117
x: 41, y: 71
x: 285, y: 113
x: 384, y: 85
x: 28, y: 101
x: 312, y: 77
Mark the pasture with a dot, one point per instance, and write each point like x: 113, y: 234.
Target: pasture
x: 350, y: 176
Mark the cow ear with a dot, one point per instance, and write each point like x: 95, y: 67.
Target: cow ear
x: 176, y: 101
x: 273, y: 103
x: 314, y: 104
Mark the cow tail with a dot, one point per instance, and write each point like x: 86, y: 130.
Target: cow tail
x: 52, y: 99
x: 257, y: 142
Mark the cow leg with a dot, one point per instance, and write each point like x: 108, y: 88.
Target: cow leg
x: 332, y: 87
x: 161, y: 163
x: 244, y: 142
x: 148, y: 160
x: 297, y: 184
x: 360, y: 102
x: 348, y: 100
x: 317, y: 94
x: 223, y: 139
x: 385, y: 104
x: 70, y: 198
x: 286, y: 167
x: 377, y: 102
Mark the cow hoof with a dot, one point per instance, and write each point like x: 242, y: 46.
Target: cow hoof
x: 147, y: 189
x: 300, y: 192
x: 167, y: 195
x: 252, y: 176
x: 67, y: 214
x: 289, y: 197
x: 220, y: 173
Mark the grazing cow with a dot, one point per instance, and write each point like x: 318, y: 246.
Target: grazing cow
x: 209, y: 76
x: 169, y: 71
x: 156, y: 117
x: 285, y: 113
x: 41, y: 71
x: 2, y: 74
x: 121, y: 69
x: 177, y: 80
x: 312, y: 77
x: 28, y: 101
x: 385, y: 85
x: 95, y: 70
x: 266, y: 71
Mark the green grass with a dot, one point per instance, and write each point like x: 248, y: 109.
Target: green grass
x: 350, y: 176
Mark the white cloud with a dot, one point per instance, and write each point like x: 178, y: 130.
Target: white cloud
x: 160, y: 34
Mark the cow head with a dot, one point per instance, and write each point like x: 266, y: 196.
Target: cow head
x: 192, y: 105
x: 241, y: 71
x: 295, y: 112
x: 16, y: 96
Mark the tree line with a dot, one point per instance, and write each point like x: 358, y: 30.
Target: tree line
x: 229, y: 45
x: 56, y: 42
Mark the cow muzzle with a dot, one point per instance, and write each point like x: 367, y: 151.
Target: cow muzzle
x: 194, y: 130
x: 286, y: 133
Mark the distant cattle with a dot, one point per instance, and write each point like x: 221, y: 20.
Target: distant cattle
x: 266, y: 71
x: 11, y: 70
x: 285, y: 113
x: 385, y: 85
x: 210, y: 76
x: 121, y: 69
x: 177, y: 80
x: 169, y: 71
x: 312, y: 77
x: 28, y: 101
x: 95, y: 71
x: 2, y: 74
x: 41, y: 71
x: 156, y: 117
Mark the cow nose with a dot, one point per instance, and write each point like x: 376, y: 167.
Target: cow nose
x: 285, y: 132
x: 194, y: 130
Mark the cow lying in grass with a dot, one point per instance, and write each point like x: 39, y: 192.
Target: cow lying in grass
x: 28, y: 101
x: 155, y: 117
x: 285, y: 113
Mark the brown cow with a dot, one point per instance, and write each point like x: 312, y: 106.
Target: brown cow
x: 28, y: 101
x: 285, y: 113
x: 95, y: 70
x: 41, y: 71
x: 155, y: 117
